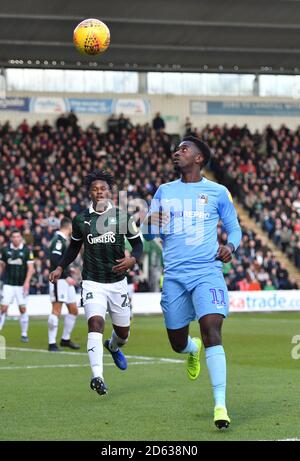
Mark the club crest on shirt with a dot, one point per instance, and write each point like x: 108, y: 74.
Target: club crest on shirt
x: 58, y: 245
x: 203, y: 199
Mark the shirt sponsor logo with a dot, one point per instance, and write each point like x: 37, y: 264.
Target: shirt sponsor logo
x: 108, y: 237
x: 16, y: 262
x: 190, y: 214
x: 196, y: 214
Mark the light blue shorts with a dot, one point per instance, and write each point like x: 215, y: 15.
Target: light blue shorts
x: 183, y: 301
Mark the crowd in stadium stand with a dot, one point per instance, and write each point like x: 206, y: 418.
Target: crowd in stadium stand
x: 254, y: 266
x: 262, y: 170
x: 42, y: 168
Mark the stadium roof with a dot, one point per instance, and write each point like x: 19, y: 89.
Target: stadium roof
x: 253, y: 36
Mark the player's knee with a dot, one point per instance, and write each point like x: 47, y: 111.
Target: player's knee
x: 22, y: 310
x: 211, y: 337
x: 56, y: 309
x: 96, y: 324
x: 4, y: 309
x: 73, y: 309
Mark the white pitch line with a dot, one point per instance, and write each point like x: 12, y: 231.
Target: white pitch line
x: 288, y: 440
x: 69, y: 365
x: 83, y: 354
x: 44, y: 351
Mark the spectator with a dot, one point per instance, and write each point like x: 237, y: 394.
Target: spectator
x: 62, y: 123
x: 112, y: 124
x: 188, y: 127
x: 269, y: 286
x: 158, y: 122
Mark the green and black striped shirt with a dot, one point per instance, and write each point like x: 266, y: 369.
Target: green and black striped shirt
x: 103, y: 236
x: 16, y: 260
x: 58, y: 246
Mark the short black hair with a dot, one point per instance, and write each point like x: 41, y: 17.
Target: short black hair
x: 99, y: 175
x: 204, y: 149
x: 15, y: 231
x: 65, y: 222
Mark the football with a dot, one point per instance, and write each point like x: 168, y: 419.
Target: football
x: 91, y: 37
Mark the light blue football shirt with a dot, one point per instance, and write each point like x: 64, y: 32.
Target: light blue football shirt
x: 190, y: 239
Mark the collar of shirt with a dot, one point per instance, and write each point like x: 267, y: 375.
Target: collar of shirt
x: 20, y: 247
x: 91, y: 209
x: 61, y: 234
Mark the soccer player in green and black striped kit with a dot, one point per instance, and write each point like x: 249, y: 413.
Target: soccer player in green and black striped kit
x: 62, y: 291
x: 102, y: 229
x: 17, y: 260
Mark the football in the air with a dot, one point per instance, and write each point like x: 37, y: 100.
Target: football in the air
x: 91, y: 37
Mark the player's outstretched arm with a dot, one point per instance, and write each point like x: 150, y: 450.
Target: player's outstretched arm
x: 69, y: 255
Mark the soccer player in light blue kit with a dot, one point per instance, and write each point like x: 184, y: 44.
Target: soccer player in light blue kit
x: 185, y: 214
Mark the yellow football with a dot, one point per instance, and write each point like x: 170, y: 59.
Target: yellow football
x: 91, y: 37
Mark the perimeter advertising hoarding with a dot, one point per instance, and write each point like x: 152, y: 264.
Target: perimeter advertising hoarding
x: 149, y: 303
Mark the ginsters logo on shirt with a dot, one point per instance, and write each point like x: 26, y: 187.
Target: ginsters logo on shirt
x: 16, y: 262
x: 108, y: 237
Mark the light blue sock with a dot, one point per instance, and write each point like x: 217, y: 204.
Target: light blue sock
x: 190, y: 347
x: 216, y: 364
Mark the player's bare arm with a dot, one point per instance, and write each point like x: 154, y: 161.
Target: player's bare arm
x: 55, y: 275
x: 2, y: 268
x: 68, y: 257
x: 30, y: 272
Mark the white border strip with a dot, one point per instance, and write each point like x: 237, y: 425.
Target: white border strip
x: 149, y: 303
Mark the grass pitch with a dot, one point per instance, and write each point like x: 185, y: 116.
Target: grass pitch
x: 46, y: 396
